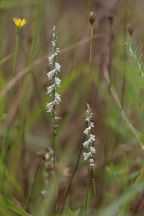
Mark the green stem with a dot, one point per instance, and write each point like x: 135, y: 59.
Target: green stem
x: 16, y: 52
x: 94, y: 186
x: 90, y: 60
x: 87, y: 190
x: 53, y: 146
x: 91, y: 43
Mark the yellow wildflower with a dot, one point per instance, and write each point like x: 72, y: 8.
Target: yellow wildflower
x: 19, y: 22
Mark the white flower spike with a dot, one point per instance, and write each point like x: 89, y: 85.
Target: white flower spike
x: 52, y: 75
x: 91, y: 138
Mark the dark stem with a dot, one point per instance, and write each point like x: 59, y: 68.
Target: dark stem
x: 32, y: 185
x: 71, y: 179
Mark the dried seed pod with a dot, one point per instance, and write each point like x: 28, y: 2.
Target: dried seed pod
x: 130, y: 29
x: 92, y: 17
x: 48, y: 162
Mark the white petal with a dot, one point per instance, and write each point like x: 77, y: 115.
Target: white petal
x: 57, y: 98
x: 92, y: 138
x: 57, y: 66
x: 86, y: 143
x: 57, y: 81
x: 51, y: 74
x: 92, y: 149
x: 50, y: 89
x: 50, y: 106
x: 47, y: 156
x: 91, y: 161
x: 92, y: 164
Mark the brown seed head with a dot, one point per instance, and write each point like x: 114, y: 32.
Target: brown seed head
x: 130, y: 29
x: 92, y: 17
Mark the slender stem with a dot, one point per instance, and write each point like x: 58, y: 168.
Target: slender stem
x: 90, y: 61
x: 16, y: 52
x: 74, y: 172
x: 93, y: 181
x: 87, y: 190
x: 53, y: 146
x: 32, y: 185
x: 91, y: 43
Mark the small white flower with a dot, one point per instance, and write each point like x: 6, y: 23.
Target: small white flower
x: 57, y: 118
x: 43, y: 193
x: 87, y: 155
x: 53, y: 43
x: 86, y: 143
x: 57, y: 50
x: 51, y: 58
x: 87, y: 119
x: 50, y: 106
x: 50, y: 89
x: 87, y: 130
x: 92, y: 149
x: 57, y: 67
x: 57, y: 81
x: 91, y: 161
x: 51, y: 74
x: 91, y: 138
x: 57, y: 98
x: 47, y: 156
x: 92, y: 124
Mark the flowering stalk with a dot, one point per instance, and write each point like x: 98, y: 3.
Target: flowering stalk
x: 91, y: 138
x: 56, y: 98
x: 90, y: 150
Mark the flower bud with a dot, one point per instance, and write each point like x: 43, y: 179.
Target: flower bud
x: 130, y: 29
x: 92, y: 17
